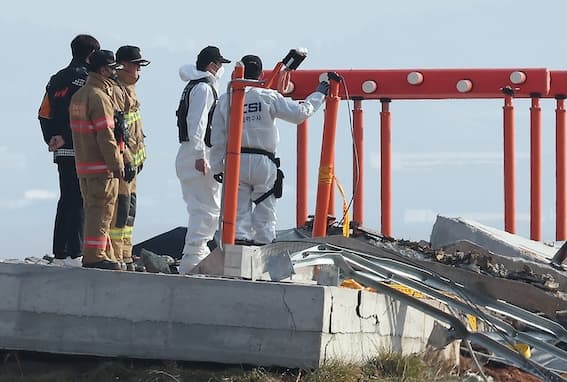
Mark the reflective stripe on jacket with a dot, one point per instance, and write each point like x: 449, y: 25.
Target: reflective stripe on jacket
x: 133, y: 118
x: 92, y: 124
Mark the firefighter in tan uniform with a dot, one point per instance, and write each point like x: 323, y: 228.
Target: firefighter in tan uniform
x: 98, y: 158
x: 130, y: 58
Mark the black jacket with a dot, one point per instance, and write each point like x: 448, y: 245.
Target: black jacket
x: 54, y: 110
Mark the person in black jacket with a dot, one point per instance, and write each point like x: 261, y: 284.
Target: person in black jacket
x: 54, y: 120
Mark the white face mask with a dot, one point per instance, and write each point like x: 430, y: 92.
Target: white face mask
x: 219, y: 73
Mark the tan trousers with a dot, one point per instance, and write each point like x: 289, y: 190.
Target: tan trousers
x: 99, y: 197
x: 123, y: 221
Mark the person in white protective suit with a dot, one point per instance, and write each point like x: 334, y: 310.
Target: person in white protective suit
x: 256, y: 213
x: 200, y: 191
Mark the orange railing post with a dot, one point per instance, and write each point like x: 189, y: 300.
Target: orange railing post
x: 234, y: 140
x: 326, y: 170
x: 386, y: 167
x: 232, y: 161
x: 302, y: 171
x: 560, y: 168
x: 535, y: 168
x: 275, y: 73
x: 509, y: 163
x: 358, y: 163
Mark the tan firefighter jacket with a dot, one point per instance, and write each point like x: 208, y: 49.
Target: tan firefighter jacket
x: 133, y: 118
x: 91, y: 115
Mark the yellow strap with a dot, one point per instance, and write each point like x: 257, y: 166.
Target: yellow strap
x: 326, y: 174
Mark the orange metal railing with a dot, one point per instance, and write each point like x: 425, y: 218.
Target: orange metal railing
x: 327, y: 163
x: 509, y: 163
x: 390, y: 85
x: 358, y: 163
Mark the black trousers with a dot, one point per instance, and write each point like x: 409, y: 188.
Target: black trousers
x: 69, y: 219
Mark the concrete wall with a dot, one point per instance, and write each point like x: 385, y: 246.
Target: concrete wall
x: 142, y: 315
x: 371, y: 323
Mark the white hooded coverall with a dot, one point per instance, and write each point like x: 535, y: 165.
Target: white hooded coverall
x: 257, y: 171
x: 200, y: 192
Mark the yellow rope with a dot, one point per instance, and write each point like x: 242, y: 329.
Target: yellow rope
x: 346, y: 221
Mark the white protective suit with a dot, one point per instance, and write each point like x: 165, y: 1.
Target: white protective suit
x: 257, y: 171
x: 200, y: 192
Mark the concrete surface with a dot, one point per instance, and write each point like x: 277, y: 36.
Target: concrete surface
x: 269, y: 262
x: 447, y: 231
x: 195, y: 318
x: 256, y: 263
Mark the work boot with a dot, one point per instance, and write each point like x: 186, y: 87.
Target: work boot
x: 130, y: 267
x: 104, y: 264
x: 189, y: 263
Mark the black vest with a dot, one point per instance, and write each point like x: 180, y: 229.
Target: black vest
x: 183, y: 108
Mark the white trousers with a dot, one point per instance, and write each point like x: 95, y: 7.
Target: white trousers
x: 256, y: 221
x: 202, y: 196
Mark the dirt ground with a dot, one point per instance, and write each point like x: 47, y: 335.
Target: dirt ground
x: 509, y: 374
x: 501, y: 373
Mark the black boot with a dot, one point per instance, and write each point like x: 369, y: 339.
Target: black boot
x: 104, y: 264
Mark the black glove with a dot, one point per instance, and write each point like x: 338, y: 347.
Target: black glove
x: 140, y: 167
x: 129, y: 172
x: 219, y: 177
x: 323, y: 87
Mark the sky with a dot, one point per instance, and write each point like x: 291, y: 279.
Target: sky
x: 447, y: 155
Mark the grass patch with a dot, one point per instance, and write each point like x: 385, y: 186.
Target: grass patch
x: 335, y: 371
x: 386, y: 366
x: 395, y: 365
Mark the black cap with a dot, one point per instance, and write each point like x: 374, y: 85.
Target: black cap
x: 252, y: 66
x: 210, y: 54
x: 100, y: 58
x: 129, y: 53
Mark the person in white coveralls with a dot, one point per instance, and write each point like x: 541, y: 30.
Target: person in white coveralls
x: 200, y: 191
x: 258, y: 188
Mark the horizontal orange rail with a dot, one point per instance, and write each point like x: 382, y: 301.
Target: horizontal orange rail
x: 435, y: 83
